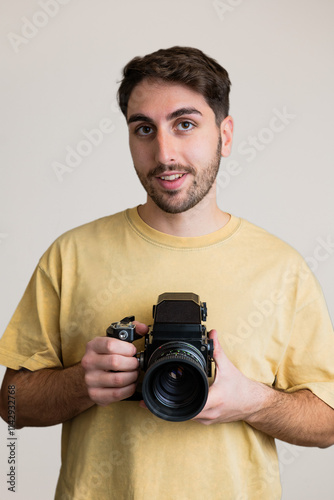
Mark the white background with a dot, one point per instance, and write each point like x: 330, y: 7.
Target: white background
x: 61, y: 77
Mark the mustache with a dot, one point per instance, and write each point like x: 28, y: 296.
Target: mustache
x: 161, y: 168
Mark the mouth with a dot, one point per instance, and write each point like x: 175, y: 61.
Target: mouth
x: 170, y: 177
x: 171, y: 181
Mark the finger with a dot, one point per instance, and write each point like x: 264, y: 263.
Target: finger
x: 202, y: 417
x: 141, y: 328
x: 207, y: 415
x: 213, y: 334
x: 105, y: 396
x: 218, y: 354
x: 111, y: 362
x: 143, y: 405
x: 213, y: 401
x: 203, y: 421
x: 107, y: 345
x: 110, y: 379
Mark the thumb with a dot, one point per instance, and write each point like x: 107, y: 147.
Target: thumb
x: 141, y: 328
x: 218, y: 354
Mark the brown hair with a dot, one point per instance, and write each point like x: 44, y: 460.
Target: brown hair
x: 184, y: 65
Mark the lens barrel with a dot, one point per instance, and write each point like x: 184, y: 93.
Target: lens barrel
x: 175, y: 385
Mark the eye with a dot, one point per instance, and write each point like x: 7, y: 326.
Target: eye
x: 185, y: 125
x: 144, y: 130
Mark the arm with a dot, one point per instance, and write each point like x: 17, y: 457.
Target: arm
x: 300, y: 418
x: 45, y: 397
x: 52, y: 396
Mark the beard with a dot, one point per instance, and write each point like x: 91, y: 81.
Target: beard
x: 172, y: 201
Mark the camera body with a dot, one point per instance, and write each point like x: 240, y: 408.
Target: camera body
x: 177, y: 359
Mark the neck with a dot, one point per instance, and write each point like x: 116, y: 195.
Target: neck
x: 206, y: 217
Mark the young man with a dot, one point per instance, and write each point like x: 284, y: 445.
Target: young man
x: 273, y: 340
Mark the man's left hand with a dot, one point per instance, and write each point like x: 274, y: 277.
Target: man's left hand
x: 232, y: 396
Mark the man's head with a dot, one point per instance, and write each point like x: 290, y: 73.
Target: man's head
x: 176, y: 105
x: 183, y: 65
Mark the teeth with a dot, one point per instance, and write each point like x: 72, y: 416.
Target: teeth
x: 171, y: 177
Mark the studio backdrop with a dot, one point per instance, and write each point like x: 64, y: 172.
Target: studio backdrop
x: 65, y: 158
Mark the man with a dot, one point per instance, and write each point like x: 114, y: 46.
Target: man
x: 273, y: 340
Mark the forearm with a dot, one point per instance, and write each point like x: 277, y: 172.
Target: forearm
x: 300, y: 418
x: 46, y: 397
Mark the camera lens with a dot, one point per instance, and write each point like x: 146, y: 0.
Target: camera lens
x: 175, y: 386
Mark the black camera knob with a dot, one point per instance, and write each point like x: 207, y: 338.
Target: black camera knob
x: 210, y: 348
x: 204, y: 311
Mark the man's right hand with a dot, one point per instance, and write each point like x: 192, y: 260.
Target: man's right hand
x: 111, y: 370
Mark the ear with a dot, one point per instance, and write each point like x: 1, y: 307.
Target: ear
x: 226, y: 131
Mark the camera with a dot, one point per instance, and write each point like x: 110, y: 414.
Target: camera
x: 177, y: 359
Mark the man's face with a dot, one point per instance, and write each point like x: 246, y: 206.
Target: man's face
x: 175, y: 144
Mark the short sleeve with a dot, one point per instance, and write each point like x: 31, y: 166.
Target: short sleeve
x: 308, y: 362
x: 32, y: 338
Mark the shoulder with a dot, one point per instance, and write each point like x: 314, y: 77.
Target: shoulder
x: 99, y: 227
x: 262, y: 242
x: 262, y: 252
x: 84, y: 240
x: 282, y: 265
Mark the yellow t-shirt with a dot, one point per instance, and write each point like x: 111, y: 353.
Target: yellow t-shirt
x: 272, y: 322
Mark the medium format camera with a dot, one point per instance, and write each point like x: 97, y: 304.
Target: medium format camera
x: 177, y: 359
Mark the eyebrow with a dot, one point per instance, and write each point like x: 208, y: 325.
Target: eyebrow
x: 183, y: 111
x: 171, y: 116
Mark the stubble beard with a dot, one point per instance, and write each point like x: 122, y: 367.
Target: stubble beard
x: 202, y: 183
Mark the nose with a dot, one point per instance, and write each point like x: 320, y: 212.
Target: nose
x: 165, y: 147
